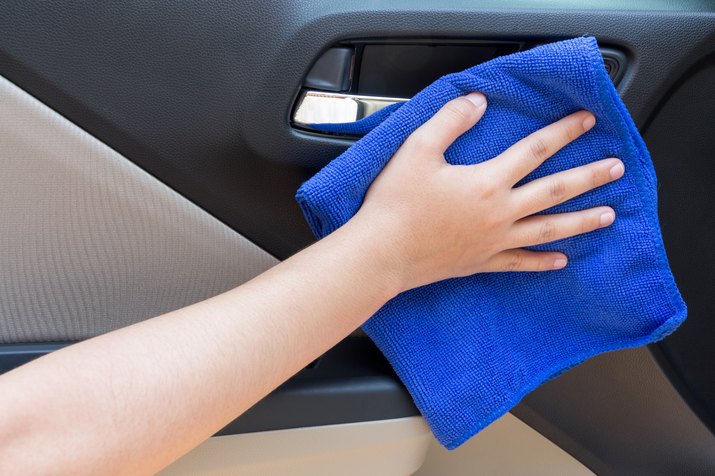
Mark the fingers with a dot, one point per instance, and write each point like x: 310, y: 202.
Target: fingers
x: 454, y: 119
x: 548, y: 191
x: 527, y: 154
x: 526, y: 260
x: 538, y: 229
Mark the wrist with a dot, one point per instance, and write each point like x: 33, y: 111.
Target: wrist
x: 378, y: 252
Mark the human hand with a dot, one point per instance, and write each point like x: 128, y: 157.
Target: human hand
x: 418, y: 203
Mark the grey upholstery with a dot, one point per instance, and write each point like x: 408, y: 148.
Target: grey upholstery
x: 89, y: 242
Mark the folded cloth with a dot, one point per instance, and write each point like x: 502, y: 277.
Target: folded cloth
x: 469, y: 349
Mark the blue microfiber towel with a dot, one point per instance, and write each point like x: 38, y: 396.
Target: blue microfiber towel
x: 469, y: 349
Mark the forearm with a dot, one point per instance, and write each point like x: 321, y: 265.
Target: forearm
x: 138, y: 398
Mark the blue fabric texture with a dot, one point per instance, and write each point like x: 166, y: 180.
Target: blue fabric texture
x: 469, y: 349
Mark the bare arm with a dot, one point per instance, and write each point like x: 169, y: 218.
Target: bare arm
x: 136, y: 399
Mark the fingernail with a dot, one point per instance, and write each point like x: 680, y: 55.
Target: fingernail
x: 607, y: 218
x: 589, y: 122
x: 477, y: 99
x: 560, y: 263
x: 617, y: 170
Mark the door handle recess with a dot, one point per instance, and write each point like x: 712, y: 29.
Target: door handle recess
x: 317, y: 106
x: 321, y: 107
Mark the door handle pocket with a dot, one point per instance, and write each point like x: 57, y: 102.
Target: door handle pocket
x: 316, y: 110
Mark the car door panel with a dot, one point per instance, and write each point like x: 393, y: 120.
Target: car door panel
x: 181, y: 164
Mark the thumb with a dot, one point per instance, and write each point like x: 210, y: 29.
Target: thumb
x: 454, y: 119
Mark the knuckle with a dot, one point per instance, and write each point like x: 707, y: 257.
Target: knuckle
x: 538, y: 148
x: 459, y: 110
x: 599, y: 177
x: 547, y: 232
x: 418, y: 142
x: 546, y: 263
x: 515, y: 261
x: 588, y: 223
x: 571, y: 130
x: 557, y: 191
x: 539, y: 263
x: 496, y: 224
x: 488, y: 189
x: 491, y: 223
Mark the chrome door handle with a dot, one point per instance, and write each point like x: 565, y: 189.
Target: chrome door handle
x: 321, y: 107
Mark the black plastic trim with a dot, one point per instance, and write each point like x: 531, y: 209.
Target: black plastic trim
x: 15, y: 355
x: 682, y: 146
x: 331, y: 72
x: 200, y: 93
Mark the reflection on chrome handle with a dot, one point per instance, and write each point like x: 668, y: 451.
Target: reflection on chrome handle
x: 320, y: 107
